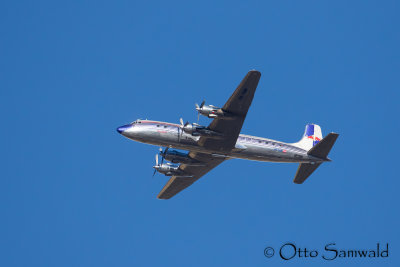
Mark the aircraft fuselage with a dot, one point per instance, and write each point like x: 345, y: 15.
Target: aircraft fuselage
x: 247, y: 147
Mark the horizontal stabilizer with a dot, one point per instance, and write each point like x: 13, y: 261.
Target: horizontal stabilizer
x: 322, y: 149
x: 304, y: 170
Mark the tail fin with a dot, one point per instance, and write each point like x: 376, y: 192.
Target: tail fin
x: 321, y: 151
x: 312, y: 135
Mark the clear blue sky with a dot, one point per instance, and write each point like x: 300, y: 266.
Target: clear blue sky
x: 74, y: 192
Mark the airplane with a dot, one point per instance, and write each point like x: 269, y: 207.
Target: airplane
x: 208, y: 146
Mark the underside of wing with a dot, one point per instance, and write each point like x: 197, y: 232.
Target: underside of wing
x: 192, y: 173
x: 236, y: 106
x: 228, y: 128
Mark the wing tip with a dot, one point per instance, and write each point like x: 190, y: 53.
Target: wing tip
x: 160, y: 196
x: 254, y: 71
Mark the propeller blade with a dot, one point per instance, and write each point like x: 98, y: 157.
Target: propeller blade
x: 197, y: 106
x: 202, y: 103
x: 198, y: 116
x: 180, y: 129
x: 163, y: 155
x: 156, y: 159
x: 154, y: 173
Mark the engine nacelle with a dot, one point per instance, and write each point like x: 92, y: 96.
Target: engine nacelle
x: 208, y: 110
x: 167, y: 169
x: 212, y: 112
x: 178, y: 157
x: 198, y: 130
x: 189, y: 128
x: 171, y: 170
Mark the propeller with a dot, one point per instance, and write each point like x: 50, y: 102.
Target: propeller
x: 155, y: 167
x: 163, y: 154
x: 181, y: 127
x: 198, y: 108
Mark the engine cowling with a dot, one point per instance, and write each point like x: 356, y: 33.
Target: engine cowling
x: 189, y: 128
x: 202, y: 131
x: 195, y: 129
x: 178, y: 157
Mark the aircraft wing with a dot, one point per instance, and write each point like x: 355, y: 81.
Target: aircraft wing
x: 237, y: 106
x: 176, y: 184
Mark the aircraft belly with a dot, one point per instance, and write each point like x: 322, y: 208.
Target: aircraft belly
x: 252, y: 152
x: 273, y: 155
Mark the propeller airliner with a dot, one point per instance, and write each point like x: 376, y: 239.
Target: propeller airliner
x: 208, y: 146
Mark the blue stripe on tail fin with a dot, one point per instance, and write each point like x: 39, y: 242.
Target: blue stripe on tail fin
x: 309, y: 130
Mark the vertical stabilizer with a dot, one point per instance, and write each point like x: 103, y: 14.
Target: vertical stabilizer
x: 312, y: 135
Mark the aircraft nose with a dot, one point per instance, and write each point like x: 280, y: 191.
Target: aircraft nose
x: 123, y: 128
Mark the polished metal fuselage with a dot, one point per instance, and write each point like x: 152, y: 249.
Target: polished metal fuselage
x: 247, y: 147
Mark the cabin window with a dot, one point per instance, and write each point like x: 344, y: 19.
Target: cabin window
x: 158, y: 125
x: 165, y: 126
